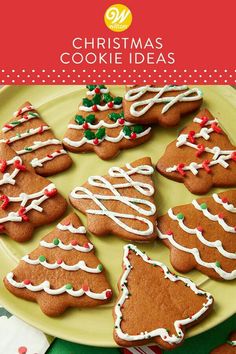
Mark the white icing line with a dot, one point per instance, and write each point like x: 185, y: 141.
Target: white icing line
x: 135, y: 93
x: 99, y: 107
x: 161, y: 332
x: 100, y: 124
x: 229, y: 207
x: 45, y: 286
x: 196, y: 255
x: 68, y: 247
x: 81, y: 265
x: 24, y: 119
x: 23, y: 110
x: 212, y: 217
x: 37, y: 145
x: 84, y: 140
x: 30, y: 132
x: 134, y: 203
x: 213, y: 244
x: 72, y: 229
x: 8, y: 178
x: 39, y: 162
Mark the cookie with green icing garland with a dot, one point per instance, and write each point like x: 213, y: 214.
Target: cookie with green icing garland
x: 201, y: 235
x: 61, y: 272
x: 120, y: 203
x: 155, y: 305
x: 32, y: 139
x: 163, y: 105
x: 201, y: 157
x: 100, y: 126
x: 229, y: 347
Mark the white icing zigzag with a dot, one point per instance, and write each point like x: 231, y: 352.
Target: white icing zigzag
x: 135, y: 94
x: 29, y: 132
x: 225, y: 204
x: 65, y: 247
x: 161, y: 332
x: 134, y: 203
x: 39, y: 162
x: 37, y: 145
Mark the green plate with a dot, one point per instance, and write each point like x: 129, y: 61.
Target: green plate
x: 94, y: 326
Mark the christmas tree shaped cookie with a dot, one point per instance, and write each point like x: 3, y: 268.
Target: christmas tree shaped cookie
x: 120, y: 203
x: 154, y: 304
x: 26, y: 199
x: 163, y: 105
x: 103, y: 130
x: 201, y: 157
x: 227, y: 348
x: 62, y: 272
x: 33, y: 140
x: 202, y: 235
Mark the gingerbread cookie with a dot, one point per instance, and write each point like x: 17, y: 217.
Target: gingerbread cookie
x: 202, y: 235
x: 227, y: 348
x: 32, y: 139
x: 105, y: 132
x: 62, y: 272
x: 163, y: 105
x: 152, y: 303
x: 201, y: 157
x: 120, y: 203
x: 27, y: 200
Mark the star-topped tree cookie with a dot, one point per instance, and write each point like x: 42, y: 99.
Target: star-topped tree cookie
x: 201, y: 157
x: 202, y: 235
x: 163, y: 105
x: 229, y: 347
x: 101, y: 127
x: 120, y: 203
x: 33, y: 140
x: 154, y: 304
x: 62, y: 272
x: 27, y: 200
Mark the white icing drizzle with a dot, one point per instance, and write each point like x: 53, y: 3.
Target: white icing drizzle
x: 99, y: 107
x: 45, y: 286
x: 24, y: 119
x: 29, y: 132
x: 23, y: 198
x: 8, y: 178
x: 215, y: 244
x: 23, y: 110
x: 39, y: 162
x: 194, y: 166
x: 161, y: 332
x: 100, y: 124
x: 102, y: 90
x: 229, y: 207
x: 119, y: 137
x: 81, y: 265
x: 37, y: 145
x: 68, y: 247
x: 213, y: 217
x: 196, y: 254
x: 134, y: 203
x: 72, y: 229
x: 136, y: 93
x: 232, y: 343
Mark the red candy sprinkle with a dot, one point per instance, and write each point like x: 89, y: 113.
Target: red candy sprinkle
x: 27, y: 282
x: 50, y: 193
x: 19, y: 166
x: 180, y: 167
x: 85, y: 125
x: 2, y: 228
x: 5, y: 200
x: 233, y: 156
x: 59, y: 261
x: 7, y: 142
x: 133, y: 136
x: 41, y: 129
x: 21, y: 213
x: 121, y: 121
x: 97, y: 90
x: 199, y: 228
x: 108, y: 294
x: 3, y: 165
x: 49, y: 156
x: 204, y: 120
x: 221, y: 215
x: 8, y: 126
x: 191, y: 137
x: 225, y: 200
x: 86, y: 245
x: 96, y: 141
x: 206, y: 167
x: 169, y: 232
x: 110, y: 104
x: 85, y: 287
x: 200, y: 149
x: 22, y: 350
x: 95, y: 108
x: 74, y: 242
x: 216, y: 128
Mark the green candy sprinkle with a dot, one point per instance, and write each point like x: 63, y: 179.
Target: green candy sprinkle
x: 107, y: 97
x: 56, y: 241
x: 42, y: 258
x: 217, y: 263
x: 115, y: 116
x: 203, y: 206
x: 100, y: 267
x: 138, y: 129
x: 97, y: 99
x: 127, y: 131
x: 18, y: 134
x: 91, y: 87
x: 28, y: 148
x: 100, y: 133
x: 87, y: 102
x: 180, y: 216
x: 79, y: 119
x: 16, y: 122
x: 102, y: 86
x: 89, y: 134
x: 117, y: 100
x: 90, y: 118
x: 68, y: 286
